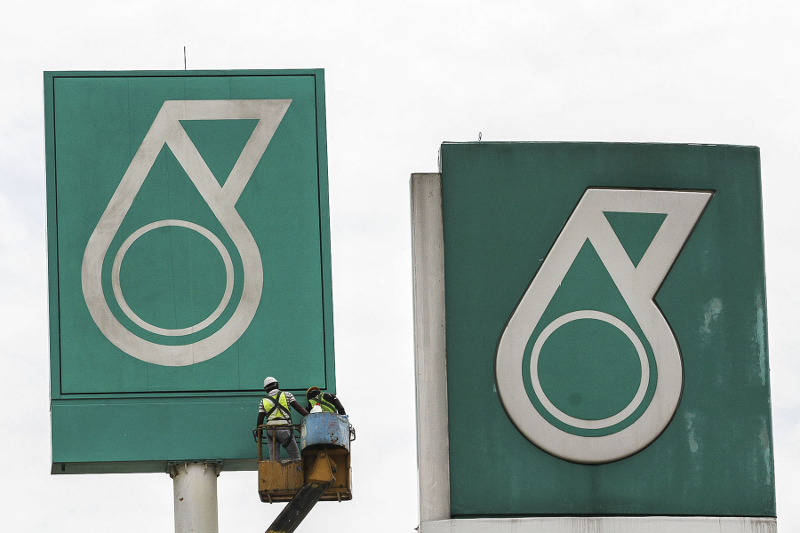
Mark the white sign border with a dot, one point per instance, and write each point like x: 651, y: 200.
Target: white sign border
x: 615, y: 524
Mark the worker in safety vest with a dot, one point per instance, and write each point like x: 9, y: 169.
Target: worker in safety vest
x: 327, y: 402
x: 275, y: 408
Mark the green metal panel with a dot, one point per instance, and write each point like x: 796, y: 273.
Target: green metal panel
x: 504, y: 206
x: 189, y: 249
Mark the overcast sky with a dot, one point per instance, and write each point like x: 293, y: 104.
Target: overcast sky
x: 401, y: 77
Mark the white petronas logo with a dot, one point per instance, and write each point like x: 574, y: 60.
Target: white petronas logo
x: 167, y: 129
x: 635, y: 424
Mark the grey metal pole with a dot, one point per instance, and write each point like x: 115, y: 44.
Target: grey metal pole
x: 195, y: 490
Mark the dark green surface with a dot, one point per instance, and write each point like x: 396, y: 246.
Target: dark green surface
x: 173, y: 277
x: 635, y: 231
x: 142, y: 435
x: 575, y: 377
x: 504, y: 205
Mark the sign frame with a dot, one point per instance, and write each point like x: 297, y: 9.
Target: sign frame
x: 433, y: 432
x: 145, y: 431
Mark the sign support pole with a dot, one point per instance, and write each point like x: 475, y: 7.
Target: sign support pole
x: 195, y: 491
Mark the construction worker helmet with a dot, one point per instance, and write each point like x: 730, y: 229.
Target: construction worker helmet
x: 270, y: 383
x: 312, y: 392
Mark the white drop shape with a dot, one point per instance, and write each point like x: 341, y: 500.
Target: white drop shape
x: 167, y: 129
x: 638, y: 286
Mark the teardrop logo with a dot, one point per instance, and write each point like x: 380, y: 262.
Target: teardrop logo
x: 587, y: 367
x: 167, y: 130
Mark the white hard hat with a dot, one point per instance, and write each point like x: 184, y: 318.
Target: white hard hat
x: 269, y: 381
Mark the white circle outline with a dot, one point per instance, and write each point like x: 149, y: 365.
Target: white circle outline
x: 226, y: 258
x: 580, y: 422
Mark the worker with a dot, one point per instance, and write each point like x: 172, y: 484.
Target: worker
x: 275, y: 408
x: 328, y: 402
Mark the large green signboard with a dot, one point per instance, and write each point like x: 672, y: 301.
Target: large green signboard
x: 189, y: 258
x: 606, y: 349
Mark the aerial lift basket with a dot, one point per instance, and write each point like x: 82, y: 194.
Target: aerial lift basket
x: 325, y: 461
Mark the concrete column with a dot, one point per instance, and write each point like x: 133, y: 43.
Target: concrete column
x: 433, y: 441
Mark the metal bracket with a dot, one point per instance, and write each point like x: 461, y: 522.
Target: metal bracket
x: 173, y: 467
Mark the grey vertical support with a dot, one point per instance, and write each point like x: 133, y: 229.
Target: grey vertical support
x: 195, y: 490
x: 433, y: 444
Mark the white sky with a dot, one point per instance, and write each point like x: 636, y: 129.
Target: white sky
x: 400, y: 78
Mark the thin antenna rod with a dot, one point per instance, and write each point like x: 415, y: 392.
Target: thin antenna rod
x: 184, y: 58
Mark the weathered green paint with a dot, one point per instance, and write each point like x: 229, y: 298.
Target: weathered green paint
x: 504, y: 204
x: 174, y: 277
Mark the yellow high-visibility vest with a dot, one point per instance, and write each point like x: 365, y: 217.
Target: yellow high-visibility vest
x: 327, y: 407
x: 277, y: 409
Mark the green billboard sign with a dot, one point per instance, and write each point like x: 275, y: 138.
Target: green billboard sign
x: 606, y: 347
x: 189, y: 254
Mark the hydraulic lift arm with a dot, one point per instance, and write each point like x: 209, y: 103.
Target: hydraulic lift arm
x: 318, y: 480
